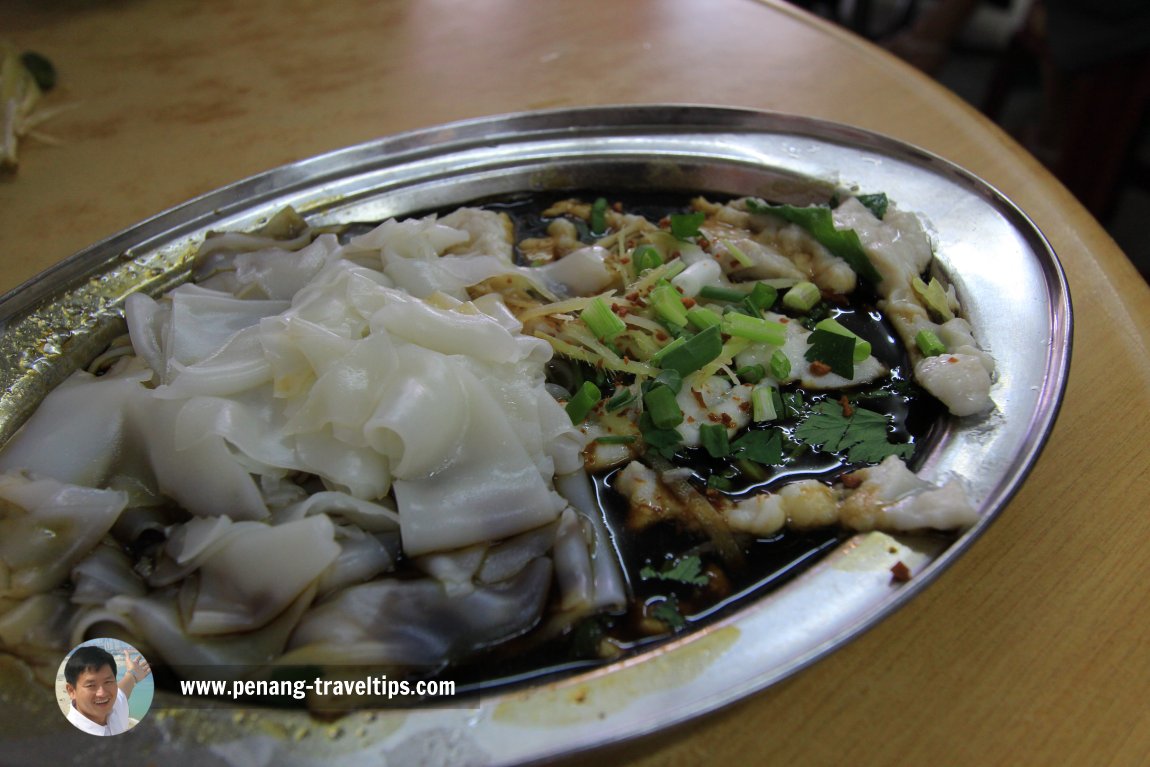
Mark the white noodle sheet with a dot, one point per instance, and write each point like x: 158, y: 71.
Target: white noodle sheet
x: 423, y: 415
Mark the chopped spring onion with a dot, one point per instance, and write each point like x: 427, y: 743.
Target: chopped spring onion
x: 929, y: 343
x: 580, y: 406
x: 751, y: 374
x: 616, y: 439
x: 645, y: 257
x: 750, y: 469
x: 719, y: 293
x: 598, y: 221
x: 713, y: 438
x: 662, y: 408
x: 703, y: 318
x: 620, y: 400
x: 832, y: 349
x: 862, y: 346
x: 754, y: 328
x: 670, y: 378
x: 761, y: 298
x: 669, y: 304
x: 779, y: 366
x: 657, y: 357
x: 674, y: 269
x: 763, y: 403
x: 603, y: 322
x: 802, y: 297
x: 737, y: 254
x: 684, y: 226
x: 693, y: 353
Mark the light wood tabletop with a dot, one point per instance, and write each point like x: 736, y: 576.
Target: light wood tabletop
x: 1034, y: 649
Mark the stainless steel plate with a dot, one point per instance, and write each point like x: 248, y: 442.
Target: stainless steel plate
x: 1007, y: 277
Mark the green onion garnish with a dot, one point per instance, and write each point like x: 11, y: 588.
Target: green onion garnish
x: 713, y: 438
x: 763, y: 404
x: 662, y: 408
x: 751, y: 374
x: 862, y: 346
x: 719, y: 293
x: 750, y: 469
x: 737, y: 254
x: 669, y: 304
x: 802, y: 297
x: 657, y: 357
x: 780, y: 365
x: 616, y: 439
x: 693, y: 353
x: 598, y: 221
x: 684, y: 226
x: 929, y: 344
x: 580, y: 406
x: 601, y: 320
x: 645, y: 257
x: 792, y: 403
x: 620, y: 400
x: 754, y: 328
x: 761, y: 298
x: 703, y: 318
x: 671, y: 378
x: 674, y: 269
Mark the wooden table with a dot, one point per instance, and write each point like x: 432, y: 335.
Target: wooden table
x: 1033, y: 649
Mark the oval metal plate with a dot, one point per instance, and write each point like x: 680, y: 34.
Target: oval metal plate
x: 1008, y: 278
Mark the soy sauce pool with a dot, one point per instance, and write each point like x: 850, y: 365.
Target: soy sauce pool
x: 661, y: 609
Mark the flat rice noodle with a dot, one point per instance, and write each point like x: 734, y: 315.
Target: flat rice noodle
x: 104, y: 573
x: 362, y: 556
x: 416, y: 623
x: 77, y: 433
x: 491, y: 490
x: 255, y: 574
x: 372, y: 516
x: 279, y: 274
x: 46, y: 527
x: 156, y: 620
x: 421, y: 413
x: 203, y: 320
x: 235, y: 367
x: 609, y: 585
x: 203, y: 476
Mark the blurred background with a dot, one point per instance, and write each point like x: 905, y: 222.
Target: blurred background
x: 1068, y: 79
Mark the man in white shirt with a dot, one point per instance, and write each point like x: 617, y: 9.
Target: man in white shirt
x: 100, y: 703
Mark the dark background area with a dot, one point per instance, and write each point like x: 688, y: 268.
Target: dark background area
x: 997, y: 58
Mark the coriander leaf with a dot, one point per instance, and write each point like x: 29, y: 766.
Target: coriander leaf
x: 663, y: 441
x: 817, y: 220
x: 760, y: 446
x: 835, y: 350
x: 684, y: 226
x: 863, y: 436
x: 687, y: 570
x: 875, y: 203
x: 713, y: 438
x: 667, y: 611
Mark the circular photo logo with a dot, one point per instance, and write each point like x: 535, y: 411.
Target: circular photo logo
x: 104, y: 687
